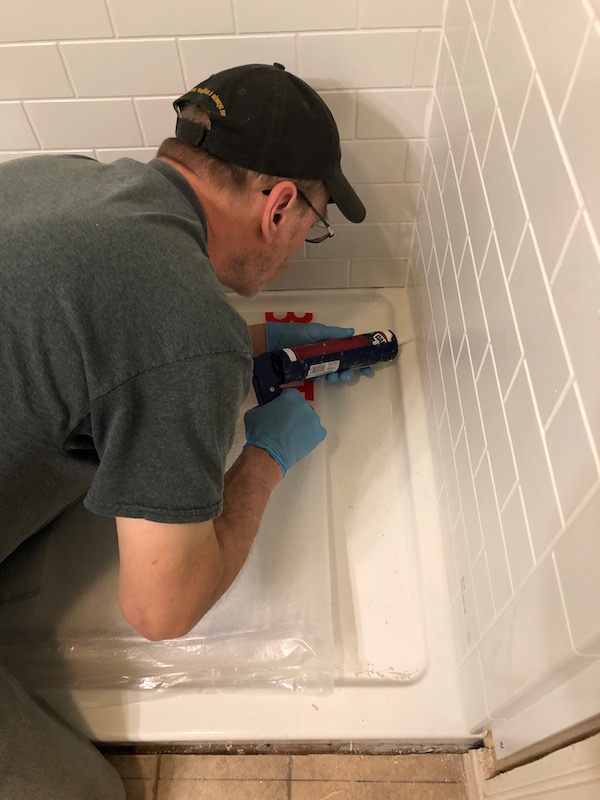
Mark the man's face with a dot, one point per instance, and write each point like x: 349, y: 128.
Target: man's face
x: 248, y: 274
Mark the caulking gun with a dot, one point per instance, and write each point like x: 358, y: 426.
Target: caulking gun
x: 274, y: 370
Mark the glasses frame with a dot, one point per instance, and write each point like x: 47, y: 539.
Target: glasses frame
x: 329, y: 232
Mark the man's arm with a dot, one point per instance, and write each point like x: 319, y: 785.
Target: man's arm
x: 170, y: 575
x: 258, y: 337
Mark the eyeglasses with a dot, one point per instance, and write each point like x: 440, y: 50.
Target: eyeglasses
x: 319, y: 230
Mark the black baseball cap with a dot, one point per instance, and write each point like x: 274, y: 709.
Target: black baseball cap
x: 265, y: 119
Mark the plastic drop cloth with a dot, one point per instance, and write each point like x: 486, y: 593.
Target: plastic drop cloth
x: 60, y: 626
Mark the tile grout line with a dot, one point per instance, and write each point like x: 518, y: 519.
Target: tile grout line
x: 156, y: 777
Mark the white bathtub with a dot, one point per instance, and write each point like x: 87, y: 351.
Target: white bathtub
x: 396, y: 677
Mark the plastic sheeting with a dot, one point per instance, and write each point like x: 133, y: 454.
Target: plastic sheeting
x: 60, y: 626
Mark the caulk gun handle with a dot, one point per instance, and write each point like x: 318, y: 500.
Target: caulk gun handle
x: 265, y: 379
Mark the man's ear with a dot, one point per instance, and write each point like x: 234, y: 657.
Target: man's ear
x: 276, y: 211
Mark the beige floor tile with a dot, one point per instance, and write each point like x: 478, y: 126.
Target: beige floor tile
x: 135, y: 766
x: 339, y: 790
x: 429, y: 768
x: 266, y: 768
x: 136, y: 789
x: 222, y: 790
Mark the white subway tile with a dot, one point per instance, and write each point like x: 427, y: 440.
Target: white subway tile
x: 143, y: 154
x: 499, y: 317
x: 35, y: 70
x: 472, y: 309
x: 470, y: 407
x: 367, y: 272
x: 482, y: 14
x: 376, y: 240
x: 343, y: 108
x: 330, y: 60
x: 451, y: 391
x: 571, y: 455
x: 509, y: 66
x: 450, y: 478
x: 483, y: 592
x: 456, y: 325
x: 314, y: 274
x: 455, y: 116
x: 386, y: 202
x: 516, y: 538
x: 472, y: 630
x: 496, y: 433
x: 426, y: 57
x: 438, y: 219
x: 473, y: 196
x: 374, y: 161
x: 436, y: 295
x: 428, y: 172
x: 492, y: 535
x: 544, y: 178
x: 415, y: 161
x: 448, y: 544
x: 455, y: 216
x: 437, y: 385
x: 124, y: 68
x: 63, y: 124
x: 477, y: 92
x: 538, y: 330
x: 469, y: 502
x: 32, y: 20
x: 581, y: 123
x: 529, y: 642
x: 400, y: 13
x: 552, y: 27
x: 442, y: 65
x: 418, y: 312
x: 534, y: 472
x: 438, y: 142
x: 177, y: 17
x: 203, y: 57
x: 262, y: 16
x: 436, y: 458
x: 406, y: 233
x: 389, y: 114
x: 424, y: 232
x: 500, y: 181
x: 456, y: 29
x: 576, y: 293
x: 15, y: 130
x: 157, y: 118
x: 577, y: 558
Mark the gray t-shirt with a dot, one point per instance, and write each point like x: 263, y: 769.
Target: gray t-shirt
x: 122, y: 363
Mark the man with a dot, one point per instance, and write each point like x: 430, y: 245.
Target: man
x: 124, y: 366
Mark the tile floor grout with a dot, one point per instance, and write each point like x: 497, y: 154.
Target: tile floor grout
x: 348, y: 776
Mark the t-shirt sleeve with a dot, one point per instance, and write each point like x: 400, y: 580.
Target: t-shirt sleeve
x: 162, y: 439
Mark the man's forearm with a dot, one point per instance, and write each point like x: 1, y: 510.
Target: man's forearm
x: 248, y: 487
x: 258, y: 337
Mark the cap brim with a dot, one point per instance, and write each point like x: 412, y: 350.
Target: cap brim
x: 345, y: 198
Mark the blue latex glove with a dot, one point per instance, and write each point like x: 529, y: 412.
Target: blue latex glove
x: 287, y: 428
x: 294, y: 334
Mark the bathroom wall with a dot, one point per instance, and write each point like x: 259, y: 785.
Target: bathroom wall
x: 505, y: 288
x: 99, y: 78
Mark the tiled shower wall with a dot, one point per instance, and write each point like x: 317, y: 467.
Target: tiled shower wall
x: 98, y: 77
x: 505, y: 293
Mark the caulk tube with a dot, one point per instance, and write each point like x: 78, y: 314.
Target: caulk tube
x: 272, y: 370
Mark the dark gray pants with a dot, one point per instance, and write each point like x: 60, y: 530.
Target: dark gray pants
x: 43, y: 758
